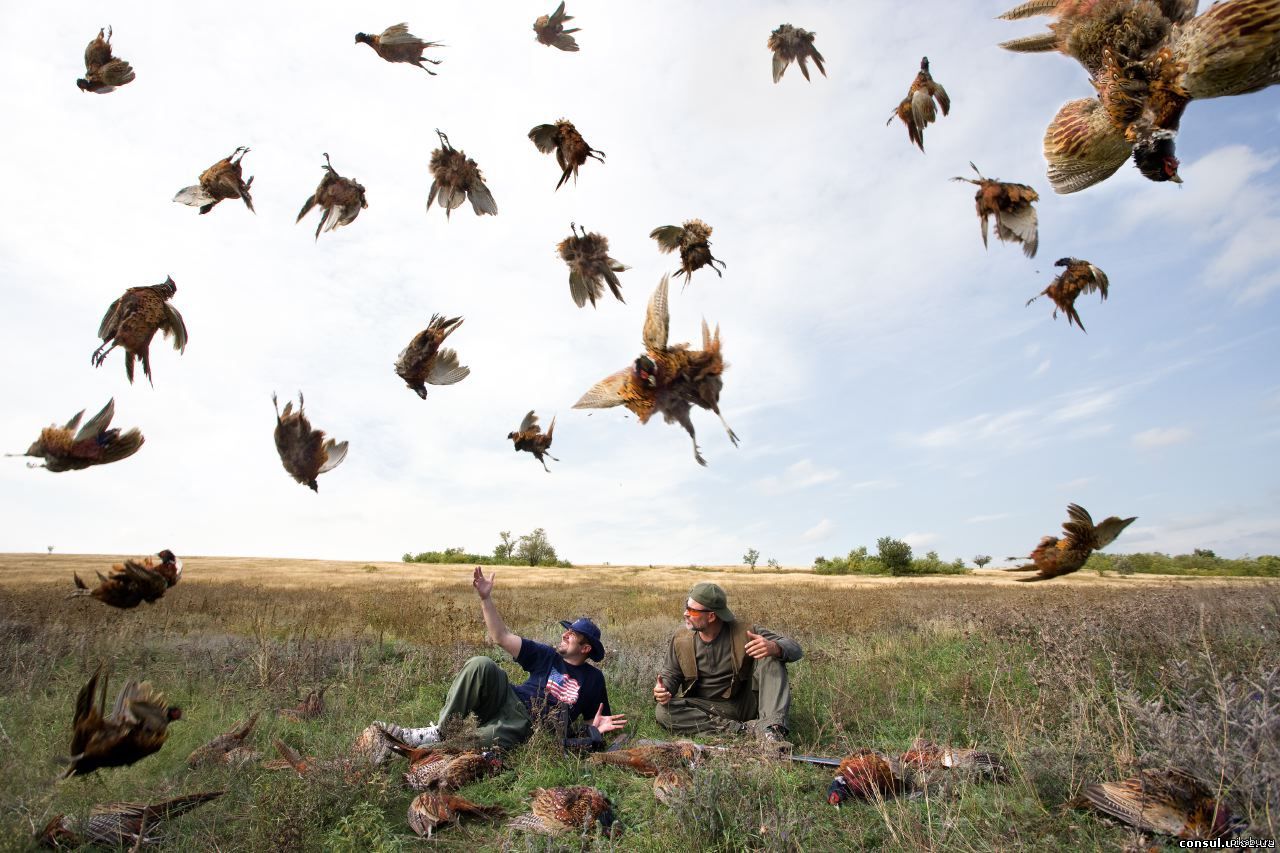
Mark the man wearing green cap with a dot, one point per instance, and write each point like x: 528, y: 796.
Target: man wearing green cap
x: 723, y: 675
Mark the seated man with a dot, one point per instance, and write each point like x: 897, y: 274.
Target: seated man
x: 722, y: 675
x: 562, y: 687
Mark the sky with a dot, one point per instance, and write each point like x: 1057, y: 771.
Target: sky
x: 885, y: 376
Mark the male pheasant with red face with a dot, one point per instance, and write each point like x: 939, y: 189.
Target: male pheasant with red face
x: 866, y: 774
x: 136, y: 727
x: 571, y: 149
x: 222, y: 180
x: 530, y: 437
x: 1168, y: 802
x: 916, y: 110
x: 397, y: 44
x: 120, y: 825
x: 103, y: 72
x: 457, y: 178
x: 431, y: 809
x: 423, y: 362
x: 590, y: 267
x: 133, y: 320
x: 550, y: 30
x: 303, y: 450
x: 133, y: 581
x: 1011, y: 206
x: 792, y: 44
x: 1078, y: 277
x: 693, y: 241
x: 340, y: 198
x: 1055, y: 557
x: 575, y: 808
x: 666, y: 380
x: 64, y: 448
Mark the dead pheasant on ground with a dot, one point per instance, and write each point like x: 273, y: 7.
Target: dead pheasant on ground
x: 1078, y: 277
x: 926, y: 760
x: 431, y: 809
x: 570, y: 148
x: 133, y: 581
x: 1055, y: 557
x: 590, y: 267
x: 651, y: 759
x: 340, y: 198
x: 120, y: 825
x: 550, y: 30
x: 133, y: 320
x: 227, y: 749
x: 1011, y: 205
x: 311, y: 706
x: 64, y: 448
x: 424, y: 362
x: 304, y: 452
x: 866, y: 775
x: 1168, y: 802
x: 666, y: 380
x: 916, y: 110
x: 530, y: 437
x: 575, y: 808
x: 693, y: 239
x: 220, y: 181
x: 792, y: 44
x: 136, y: 727
x: 397, y: 44
x: 103, y: 71
x: 457, y: 178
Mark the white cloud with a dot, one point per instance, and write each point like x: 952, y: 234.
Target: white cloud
x: 819, y: 531
x: 919, y: 540
x: 799, y: 475
x: 1042, y: 368
x: 1161, y: 437
x: 983, y: 519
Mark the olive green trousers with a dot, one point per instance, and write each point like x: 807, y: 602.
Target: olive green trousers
x: 767, y: 703
x: 483, y: 689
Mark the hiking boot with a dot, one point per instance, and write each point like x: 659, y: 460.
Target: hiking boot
x: 422, y: 736
x: 776, y: 734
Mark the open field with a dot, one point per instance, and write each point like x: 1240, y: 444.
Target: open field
x: 1059, y: 677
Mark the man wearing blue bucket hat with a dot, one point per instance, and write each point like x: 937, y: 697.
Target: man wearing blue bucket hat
x: 561, y: 690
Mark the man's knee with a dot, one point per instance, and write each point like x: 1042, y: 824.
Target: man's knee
x: 479, y: 664
x: 769, y: 668
x: 662, y: 714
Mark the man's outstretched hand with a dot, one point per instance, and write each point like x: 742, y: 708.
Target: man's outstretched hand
x: 483, y: 585
x: 608, y: 722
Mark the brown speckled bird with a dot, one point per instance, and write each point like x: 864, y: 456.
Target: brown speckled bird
x: 311, y: 706
x: 530, y: 437
x: 668, y: 379
x: 1078, y: 277
x: 791, y: 44
x: 456, y: 177
x: 309, y: 767
x: 1083, y: 28
x: 227, y: 749
x: 432, y: 768
x: 575, y: 808
x: 571, y: 149
x: 133, y: 320
x: 103, y: 72
x: 397, y: 44
x: 1055, y: 557
x: 120, y: 825
x: 223, y: 180
x: 430, y: 809
x: 925, y: 757
x: 693, y: 241
x: 866, y: 774
x: 916, y: 110
x: 136, y: 727
x: 134, y: 581
x: 670, y: 787
x: 423, y: 362
x: 550, y: 30
x: 590, y: 267
x: 63, y: 448
x: 340, y: 198
x: 303, y: 451
x: 1011, y: 205
x: 1169, y: 802
x: 651, y: 759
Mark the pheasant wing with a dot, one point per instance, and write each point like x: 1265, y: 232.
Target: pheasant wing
x: 1020, y: 223
x: 1137, y: 804
x: 481, y: 199
x: 546, y: 137
x: 668, y: 237
x: 606, y: 393
x: 171, y: 324
x: 530, y: 422
x: 195, y: 196
x: 1083, y: 146
x: 657, y: 319
x: 398, y: 34
x: 334, y: 454
x: 1107, y: 531
x: 98, y: 422
x: 445, y: 369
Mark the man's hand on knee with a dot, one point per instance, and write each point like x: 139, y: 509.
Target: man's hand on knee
x: 759, y: 647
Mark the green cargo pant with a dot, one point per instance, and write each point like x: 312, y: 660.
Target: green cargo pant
x: 767, y: 703
x: 482, y: 688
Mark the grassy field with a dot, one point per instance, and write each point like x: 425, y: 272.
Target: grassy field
x: 1072, y: 681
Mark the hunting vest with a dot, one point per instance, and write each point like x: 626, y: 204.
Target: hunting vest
x: 688, y: 659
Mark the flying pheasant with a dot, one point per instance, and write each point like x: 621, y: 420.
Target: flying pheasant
x: 790, y: 44
x: 667, y: 379
x: 134, y: 581
x: 1055, y: 557
x: 133, y: 320
x: 456, y: 177
x: 590, y: 267
x: 571, y: 149
x: 430, y: 809
x: 866, y: 774
x: 549, y: 30
x: 120, y: 825
x: 423, y: 361
x: 228, y: 748
x: 530, y: 437
x: 1010, y: 204
x: 303, y: 451
x: 103, y: 72
x: 397, y: 44
x: 222, y: 180
x: 576, y: 808
x: 916, y: 110
x: 340, y: 198
x: 1078, y: 277
x: 135, y: 728
x: 1082, y: 29
x: 63, y: 448
x: 1169, y: 802
x: 693, y: 241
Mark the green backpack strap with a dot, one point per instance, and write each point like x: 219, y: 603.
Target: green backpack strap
x: 686, y: 658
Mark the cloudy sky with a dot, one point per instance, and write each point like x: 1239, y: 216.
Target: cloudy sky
x: 885, y: 376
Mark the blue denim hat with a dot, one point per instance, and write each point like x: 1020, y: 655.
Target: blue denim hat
x: 588, y: 629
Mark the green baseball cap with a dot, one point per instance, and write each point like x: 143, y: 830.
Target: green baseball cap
x: 712, y: 597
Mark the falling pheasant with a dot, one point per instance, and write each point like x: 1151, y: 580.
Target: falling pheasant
x: 303, y: 451
x: 1011, y: 205
x: 791, y: 44
x: 397, y: 44
x: 457, y: 178
x: 136, y: 727
x: 530, y: 437
x: 571, y: 149
x: 133, y: 320
x: 590, y: 267
x: 693, y: 240
x: 340, y: 198
x: 550, y: 30
x: 103, y: 72
x: 64, y: 448
x: 222, y: 180
x: 1078, y: 277
x: 1055, y: 557
x: 916, y: 110
x: 423, y: 362
x: 134, y: 581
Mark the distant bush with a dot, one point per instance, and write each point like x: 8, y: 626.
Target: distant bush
x: 860, y: 562
x: 530, y: 550
x: 1199, y: 564
x: 895, y: 554
x: 856, y: 562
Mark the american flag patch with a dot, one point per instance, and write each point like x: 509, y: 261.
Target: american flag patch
x: 562, y: 687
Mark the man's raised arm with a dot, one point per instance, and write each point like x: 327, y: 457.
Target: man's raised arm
x: 493, y: 623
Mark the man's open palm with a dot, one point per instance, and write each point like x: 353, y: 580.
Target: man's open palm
x: 483, y: 585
